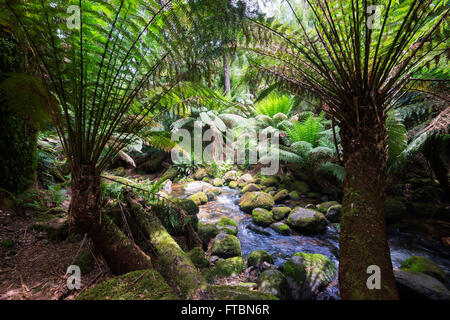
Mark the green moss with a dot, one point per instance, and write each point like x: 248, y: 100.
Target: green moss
x: 281, y: 228
x: 206, y: 232
x: 85, y: 261
x: 258, y: 257
x: 424, y: 265
x: 279, y: 213
x: 262, y: 217
x: 229, y: 267
x: 294, y: 195
x: 226, y: 246
x: 253, y: 200
x: 136, y: 285
x: 323, y: 207
x: 228, y: 225
x: 197, y: 257
x: 269, y: 181
x: 223, y: 292
x: 233, y: 184
x: 8, y: 244
x: 199, y: 198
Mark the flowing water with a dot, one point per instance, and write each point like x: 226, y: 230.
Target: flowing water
x: 402, y: 245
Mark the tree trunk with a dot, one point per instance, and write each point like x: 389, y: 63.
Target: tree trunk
x: 172, y: 262
x: 226, y: 70
x: 363, y: 238
x: 121, y: 254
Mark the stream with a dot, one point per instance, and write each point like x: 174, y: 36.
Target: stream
x: 402, y: 245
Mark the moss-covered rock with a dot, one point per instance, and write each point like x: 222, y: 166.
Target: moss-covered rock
x: 253, y: 200
x: 270, y: 189
x: 281, y: 228
x: 281, y: 195
x: 424, y: 265
x: 270, y: 181
x: 200, y: 174
x: 189, y: 207
x: 246, y: 178
x: 395, y: 210
x: 294, y: 195
x: 136, y: 285
x: 323, y: 207
x: 230, y: 176
x: 226, y: 246
x: 334, y: 213
x: 279, y: 213
x: 301, y: 187
x: 251, y: 187
x: 306, y: 220
x: 217, y: 182
x: 274, y: 282
x: 308, y: 274
x: 198, y: 258
x: 228, y: 225
x: 233, y: 184
x: 199, y: 198
x: 224, y: 292
x: 262, y: 217
x: 258, y: 257
x: 211, y: 196
x: 206, y: 232
x: 419, y: 286
x: 85, y: 261
x: 229, y: 267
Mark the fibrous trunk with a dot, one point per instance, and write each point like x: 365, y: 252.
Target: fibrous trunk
x: 363, y: 238
x: 121, y: 254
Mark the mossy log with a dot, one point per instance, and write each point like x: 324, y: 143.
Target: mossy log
x: 171, y: 260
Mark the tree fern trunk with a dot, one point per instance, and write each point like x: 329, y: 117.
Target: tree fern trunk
x: 120, y: 253
x: 363, y: 238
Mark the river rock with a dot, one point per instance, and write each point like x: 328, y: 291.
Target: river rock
x: 279, y: 213
x: 246, y: 178
x: 334, y: 213
x: 217, y: 182
x: 250, y: 188
x: 262, y: 217
x: 324, y: 206
x: 253, y: 200
x: 199, y: 198
x: 306, y: 220
x: 226, y: 246
x: 258, y: 230
x: 424, y: 265
x: 281, y: 228
x: 416, y: 285
x: 228, y: 225
x: 274, y: 282
x: 308, y: 274
x: 257, y: 258
x: 200, y: 174
x: 294, y: 195
x: 230, y: 176
x: 280, y: 196
x: 206, y: 232
x: 233, y: 184
x: 269, y: 181
x: 229, y: 267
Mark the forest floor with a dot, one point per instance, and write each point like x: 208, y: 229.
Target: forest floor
x: 35, y: 269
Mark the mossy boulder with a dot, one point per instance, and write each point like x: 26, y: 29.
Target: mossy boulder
x: 211, y: 196
x: 85, y: 261
x: 246, y: 178
x: 253, y: 200
x: 334, y: 213
x: 251, y: 187
x: 200, y: 174
x: 279, y: 213
x: 281, y: 195
x: 57, y: 229
x: 262, y: 217
x: 395, y: 210
x: 228, y: 225
x: 230, y: 176
x: 189, y: 206
x: 414, y: 285
x: 199, y: 198
x: 198, y: 258
x: 217, y: 182
x: 424, y: 265
x: 226, y: 246
x: 270, y: 181
x: 306, y: 220
x: 225, y: 292
x: 270, y: 189
x: 233, y: 184
x: 229, y: 267
x: 308, y: 274
x: 137, y: 285
x: 324, y: 206
x: 206, y: 232
x: 215, y: 190
x: 274, y: 282
x: 281, y: 228
x: 258, y: 257
x: 294, y: 195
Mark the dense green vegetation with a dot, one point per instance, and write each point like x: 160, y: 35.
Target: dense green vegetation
x: 92, y: 98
